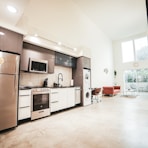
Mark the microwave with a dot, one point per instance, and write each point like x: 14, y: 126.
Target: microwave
x: 38, y: 66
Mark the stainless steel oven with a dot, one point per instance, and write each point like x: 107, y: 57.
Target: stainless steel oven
x: 40, y: 103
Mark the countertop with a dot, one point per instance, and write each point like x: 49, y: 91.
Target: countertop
x: 30, y: 87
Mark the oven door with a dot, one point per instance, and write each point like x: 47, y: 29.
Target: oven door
x: 40, y: 101
x: 40, y: 105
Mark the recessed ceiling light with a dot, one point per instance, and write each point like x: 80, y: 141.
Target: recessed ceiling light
x: 75, y: 49
x: 36, y: 35
x: 12, y: 9
x: 59, y: 43
x: 2, y: 33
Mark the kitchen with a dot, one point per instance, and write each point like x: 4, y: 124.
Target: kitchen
x: 47, y: 82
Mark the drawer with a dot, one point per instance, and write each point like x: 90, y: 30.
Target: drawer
x: 24, y: 113
x: 25, y: 92
x: 54, y: 106
x: 54, y: 96
x: 24, y: 101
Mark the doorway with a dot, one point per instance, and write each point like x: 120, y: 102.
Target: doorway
x: 136, y: 81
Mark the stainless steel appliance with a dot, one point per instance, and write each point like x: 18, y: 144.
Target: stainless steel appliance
x: 39, y: 66
x: 9, y: 69
x: 40, y: 103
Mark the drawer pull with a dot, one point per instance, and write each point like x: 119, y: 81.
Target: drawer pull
x: 24, y: 95
x: 24, y: 107
x: 54, y: 92
x: 55, y: 102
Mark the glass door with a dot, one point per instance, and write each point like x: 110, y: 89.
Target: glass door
x: 136, y: 80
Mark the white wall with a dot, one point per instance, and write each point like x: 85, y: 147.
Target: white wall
x: 102, y: 57
x: 121, y: 67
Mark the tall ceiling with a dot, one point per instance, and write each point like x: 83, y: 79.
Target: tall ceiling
x: 116, y: 18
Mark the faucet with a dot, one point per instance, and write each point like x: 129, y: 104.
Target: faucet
x: 60, y: 77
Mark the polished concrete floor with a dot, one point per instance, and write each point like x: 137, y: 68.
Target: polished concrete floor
x: 116, y: 122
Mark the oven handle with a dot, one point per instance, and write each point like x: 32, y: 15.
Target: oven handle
x: 41, y: 111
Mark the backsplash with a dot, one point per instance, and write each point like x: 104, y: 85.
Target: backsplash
x: 35, y: 79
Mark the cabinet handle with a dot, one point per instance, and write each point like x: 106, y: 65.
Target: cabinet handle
x: 24, y: 107
x: 55, y: 102
x: 54, y: 92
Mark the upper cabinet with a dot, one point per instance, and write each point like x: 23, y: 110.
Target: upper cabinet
x: 10, y: 41
x: 85, y: 62
x: 36, y: 52
x: 65, y: 60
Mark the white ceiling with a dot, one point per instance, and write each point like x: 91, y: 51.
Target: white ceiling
x: 116, y: 18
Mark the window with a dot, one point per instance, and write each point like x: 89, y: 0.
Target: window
x: 135, y: 50
x: 141, y: 48
x: 127, y: 51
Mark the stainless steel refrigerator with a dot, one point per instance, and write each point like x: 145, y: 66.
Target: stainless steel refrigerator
x: 9, y: 70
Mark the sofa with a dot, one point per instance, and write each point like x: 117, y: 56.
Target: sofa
x: 111, y: 90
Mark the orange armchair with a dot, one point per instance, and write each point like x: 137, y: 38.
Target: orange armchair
x: 111, y: 90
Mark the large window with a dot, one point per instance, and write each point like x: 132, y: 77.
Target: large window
x: 127, y: 51
x: 141, y: 48
x: 135, y: 50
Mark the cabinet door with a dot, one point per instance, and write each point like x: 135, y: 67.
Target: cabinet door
x: 62, y: 98
x: 86, y: 62
x: 11, y: 41
x: 77, y: 95
x: 54, y: 100
x: 36, y: 52
x: 24, y: 101
x: 51, y: 64
x: 24, y: 113
x: 65, y: 60
x: 70, y: 97
x: 54, y: 106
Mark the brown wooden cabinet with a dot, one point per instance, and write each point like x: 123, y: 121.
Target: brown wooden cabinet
x: 86, y: 62
x: 36, y: 52
x: 11, y: 41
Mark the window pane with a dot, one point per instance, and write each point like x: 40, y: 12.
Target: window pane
x: 141, y: 48
x: 127, y: 51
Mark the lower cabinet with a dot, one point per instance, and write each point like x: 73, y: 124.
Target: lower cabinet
x: 62, y: 98
x: 24, y: 110
x: 70, y: 92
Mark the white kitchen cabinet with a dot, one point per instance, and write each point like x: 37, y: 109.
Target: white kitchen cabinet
x: 62, y: 98
x: 24, y: 110
x: 70, y: 97
x: 77, y: 95
x: 54, y: 100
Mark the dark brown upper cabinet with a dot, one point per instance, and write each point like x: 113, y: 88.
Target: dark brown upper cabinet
x: 11, y: 41
x: 36, y: 52
x: 65, y: 60
x: 86, y: 62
